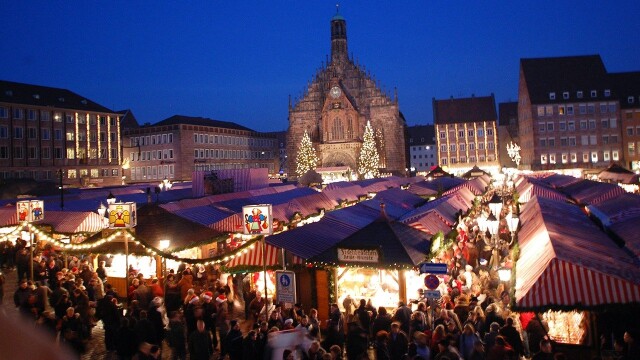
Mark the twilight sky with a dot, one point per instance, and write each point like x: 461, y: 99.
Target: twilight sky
x: 240, y: 60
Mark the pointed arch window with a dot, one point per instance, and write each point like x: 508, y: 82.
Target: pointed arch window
x: 337, y: 130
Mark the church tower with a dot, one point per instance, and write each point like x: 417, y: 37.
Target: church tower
x: 335, y: 107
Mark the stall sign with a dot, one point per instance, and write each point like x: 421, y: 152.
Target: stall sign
x: 433, y: 268
x: 432, y: 294
x: 30, y: 210
x: 431, y: 282
x: 257, y: 219
x: 122, y: 215
x: 358, y: 255
x: 285, y: 287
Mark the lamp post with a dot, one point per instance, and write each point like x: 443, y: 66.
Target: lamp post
x: 111, y: 199
x: 493, y: 224
x: 164, y: 245
x: 512, y: 224
x: 165, y: 184
x: 482, y: 225
x: 495, y: 205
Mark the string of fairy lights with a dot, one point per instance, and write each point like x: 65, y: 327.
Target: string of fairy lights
x: 150, y: 250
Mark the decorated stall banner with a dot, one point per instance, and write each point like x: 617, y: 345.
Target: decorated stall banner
x: 358, y: 255
x: 122, y: 215
x: 257, y: 219
x: 30, y: 210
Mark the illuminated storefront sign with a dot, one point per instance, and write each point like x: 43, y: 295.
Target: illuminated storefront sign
x: 358, y: 255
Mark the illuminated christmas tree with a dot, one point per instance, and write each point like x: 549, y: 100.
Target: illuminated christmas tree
x: 307, y: 158
x: 369, y: 159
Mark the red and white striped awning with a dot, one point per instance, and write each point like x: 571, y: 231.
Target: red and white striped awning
x: 253, y: 257
x: 566, y: 261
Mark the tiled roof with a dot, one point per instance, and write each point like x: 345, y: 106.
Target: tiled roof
x: 566, y: 74
x: 36, y: 95
x: 464, y: 110
x: 627, y: 85
x: 421, y: 134
x: 507, y: 111
x: 200, y: 121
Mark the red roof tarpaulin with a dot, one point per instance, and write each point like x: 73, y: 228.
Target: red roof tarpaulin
x: 568, y: 262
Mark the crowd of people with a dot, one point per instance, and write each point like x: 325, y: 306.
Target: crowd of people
x: 195, y: 315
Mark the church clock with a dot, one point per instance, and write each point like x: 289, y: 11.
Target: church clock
x: 335, y: 92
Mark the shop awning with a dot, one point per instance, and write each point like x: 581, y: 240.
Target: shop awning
x: 527, y: 190
x: 397, y: 246
x: 616, y: 173
x: 253, y: 257
x: 61, y: 222
x: 567, y: 262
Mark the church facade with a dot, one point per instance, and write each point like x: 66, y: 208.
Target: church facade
x: 335, y: 108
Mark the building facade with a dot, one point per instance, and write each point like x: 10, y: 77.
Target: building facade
x: 466, y: 132
x: 335, y: 108
x: 46, y: 132
x: 568, y: 114
x: 176, y: 147
x: 627, y: 86
x: 421, y: 141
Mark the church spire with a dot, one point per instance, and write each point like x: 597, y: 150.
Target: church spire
x: 339, y: 51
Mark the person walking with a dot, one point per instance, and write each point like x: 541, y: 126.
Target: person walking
x: 200, y: 346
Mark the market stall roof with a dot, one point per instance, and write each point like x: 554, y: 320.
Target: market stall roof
x: 531, y: 187
x: 206, y: 215
x: 588, y: 191
x: 438, y: 172
x: 252, y: 259
x: 431, y: 222
x: 616, y: 173
x: 343, y: 193
x: 474, y: 172
x: 400, y: 197
x: 156, y: 223
x: 566, y: 262
x: 421, y: 190
x: 627, y: 230
x: 397, y: 244
x: 447, y: 207
x: 558, y: 180
x: 462, y: 191
x: 62, y: 222
x: 274, y: 199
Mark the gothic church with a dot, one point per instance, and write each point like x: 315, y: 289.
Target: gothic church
x: 335, y: 108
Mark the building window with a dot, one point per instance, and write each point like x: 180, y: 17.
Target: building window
x: 569, y: 109
x: 481, y: 146
x: 57, y: 153
x: 540, y: 110
x: 4, y: 152
x: 71, y: 153
x: 630, y: 100
x: 585, y: 157
x: 4, y: 132
x: 444, y: 161
x: 630, y: 131
x: 453, y: 161
x: 549, y: 126
x: 605, y: 156
x: 17, y: 152
x: 17, y: 113
x: 572, y: 141
x: 579, y: 94
x: 33, y: 153
x: 584, y: 140
x: 452, y: 147
x: 541, y: 127
x: 490, y: 145
x: 605, y: 139
x: 552, y: 158
x: 565, y: 158
x: 552, y: 96
x: 552, y: 142
x: 603, y: 108
x: 593, y: 140
x: 470, y: 133
x: 607, y: 92
x: 572, y: 126
x: 594, y: 156
x: 574, y: 157
x: 489, y: 132
x: 46, y: 134
x: 591, y: 109
x: 472, y: 146
x: 604, y: 123
x: 631, y: 147
x: 565, y: 95
x: 583, y: 109
x: 4, y: 113
x: 592, y: 124
x: 71, y: 136
x: 460, y: 133
x: 31, y: 114
x: 563, y: 141
x: 561, y: 109
x: 463, y: 147
x: 443, y: 148
x: 594, y: 93
x: 613, y: 139
x: 543, y: 159
x: 562, y: 126
x: 18, y: 132
x: 548, y: 110
x: 614, y: 155
x: 612, y: 107
x: 543, y: 142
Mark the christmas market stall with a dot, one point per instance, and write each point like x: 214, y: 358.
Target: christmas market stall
x: 575, y: 277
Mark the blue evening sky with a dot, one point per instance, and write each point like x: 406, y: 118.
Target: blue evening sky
x: 240, y: 60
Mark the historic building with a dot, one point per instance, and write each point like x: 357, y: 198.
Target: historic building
x: 568, y: 114
x: 466, y: 131
x: 627, y: 86
x: 335, y: 108
x: 46, y: 132
x: 176, y: 147
x: 423, y: 155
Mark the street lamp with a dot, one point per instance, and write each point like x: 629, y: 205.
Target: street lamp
x: 493, y: 224
x: 504, y: 274
x: 102, y: 210
x: 512, y: 224
x: 165, y: 184
x: 164, y: 245
x: 495, y: 205
x: 111, y: 199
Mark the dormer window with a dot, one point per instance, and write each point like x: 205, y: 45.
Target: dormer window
x: 8, y: 93
x: 630, y: 99
x: 83, y: 101
x: 552, y: 96
x: 36, y: 96
x: 565, y: 95
x: 594, y: 93
x: 607, y: 93
x: 61, y: 99
x: 579, y: 94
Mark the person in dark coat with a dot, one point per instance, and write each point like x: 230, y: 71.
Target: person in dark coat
x: 403, y: 316
x: 398, y: 342
x: 145, y: 332
x: 200, y: 346
x: 176, y: 336
x: 511, y: 334
x: 382, y: 321
x: 382, y: 349
x: 357, y: 340
x: 111, y: 321
x: 250, y: 347
x: 233, y: 341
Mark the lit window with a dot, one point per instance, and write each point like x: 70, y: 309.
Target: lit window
x: 543, y: 159
x: 607, y: 92
x: 594, y: 93
x: 614, y: 155
x: 552, y: 96
x: 565, y: 95
x: 594, y: 156
x: 579, y: 94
